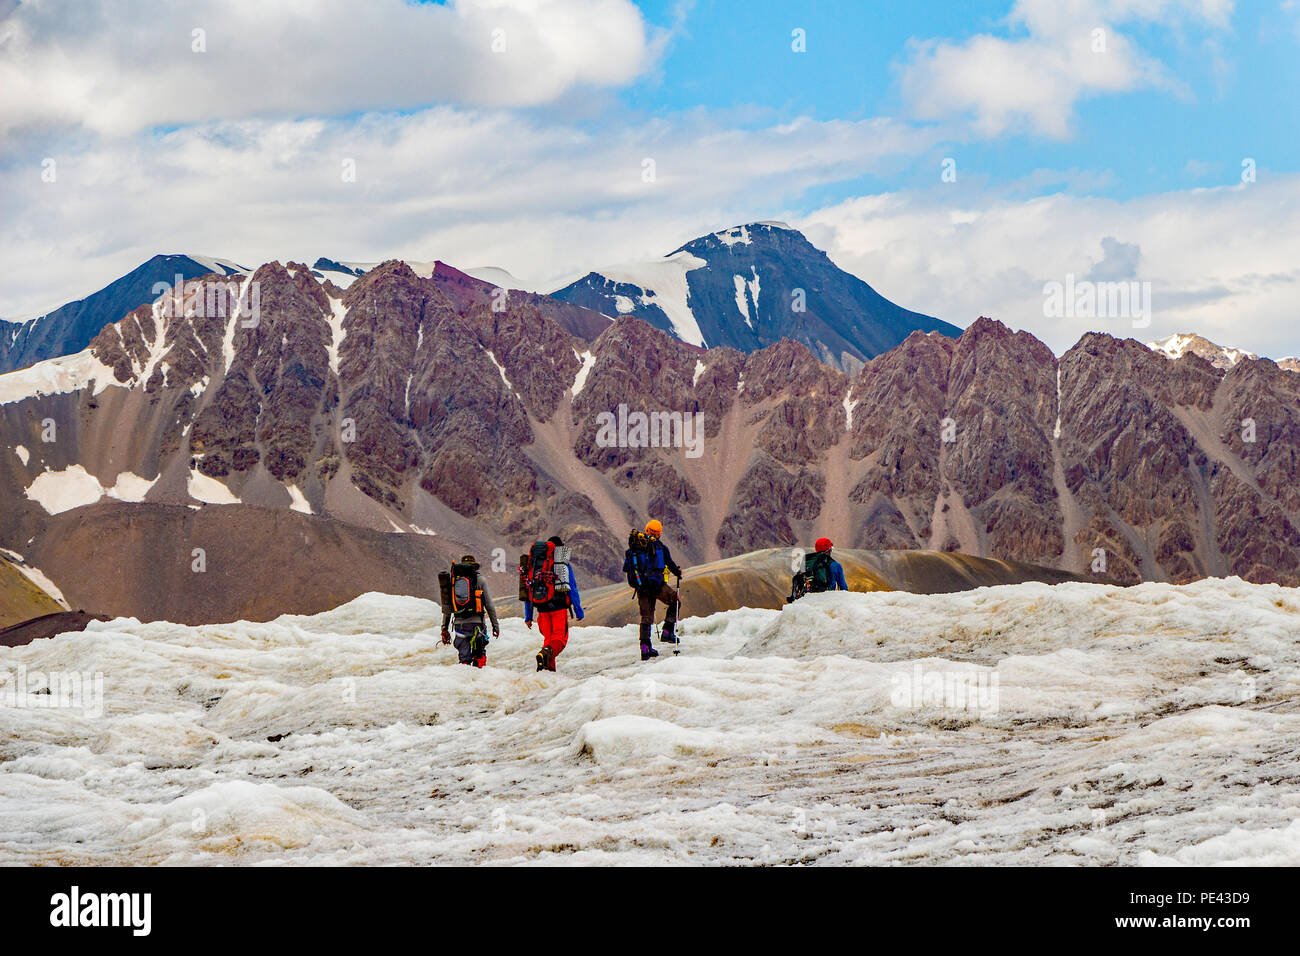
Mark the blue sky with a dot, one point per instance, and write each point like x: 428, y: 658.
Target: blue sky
x: 514, y: 134
x: 1239, y: 98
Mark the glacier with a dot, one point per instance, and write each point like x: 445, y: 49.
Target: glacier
x: 1150, y: 725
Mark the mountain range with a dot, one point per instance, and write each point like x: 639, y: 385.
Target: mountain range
x: 70, y: 327
x: 752, y: 286
x: 375, y: 421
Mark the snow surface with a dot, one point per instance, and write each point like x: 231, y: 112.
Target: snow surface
x: 60, y: 491
x: 1149, y: 725
x: 663, y: 283
x: 299, y: 502
x: 74, y: 487
x: 1056, y: 431
x: 588, y: 360
x: 1176, y: 346
x: 68, y: 373
x: 500, y: 278
x: 502, y: 370
x: 338, y: 312
x: 208, y: 490
x: 214, y: 264
x: 742, y: 304
x: 130, y: 487
x: 849, y: 405
x: 737, y: 235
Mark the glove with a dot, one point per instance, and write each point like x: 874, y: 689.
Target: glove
x: 496, y: 631
x: 528, y: 624
x: 579, y: 615
x: 446, y: 636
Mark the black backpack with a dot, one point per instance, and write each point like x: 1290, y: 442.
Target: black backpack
x: 815, y: 576
x: 636, y: 559
x: 460, y: 589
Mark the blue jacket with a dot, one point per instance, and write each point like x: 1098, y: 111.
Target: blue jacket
x: 837, y: 576
x: 575, y: 600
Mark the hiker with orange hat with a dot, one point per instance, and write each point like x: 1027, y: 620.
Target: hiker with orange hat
x: 820, y: 572
x: 645, y: 563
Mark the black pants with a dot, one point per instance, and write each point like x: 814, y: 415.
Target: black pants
x: 470, y: 638
x: 646, y: 598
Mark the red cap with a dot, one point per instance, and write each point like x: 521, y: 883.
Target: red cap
x: 823, y: 544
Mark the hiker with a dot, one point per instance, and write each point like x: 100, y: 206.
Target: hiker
x: 465, y: 597
x: 548, y: 576
x: 644, y: 563
x: 821, y: 572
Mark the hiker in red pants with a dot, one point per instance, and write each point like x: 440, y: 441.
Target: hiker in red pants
x: 553, y: 614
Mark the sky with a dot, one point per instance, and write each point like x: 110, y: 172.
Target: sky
x: 958, y: 156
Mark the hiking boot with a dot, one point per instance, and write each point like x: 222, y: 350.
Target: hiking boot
x: 480, y: 661
x: 546, y: 659
x: 668, y: 637
x: 648, y: 652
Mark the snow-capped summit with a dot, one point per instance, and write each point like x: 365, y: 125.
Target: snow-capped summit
x: 1179, y: 344
x: 750, y: 286
x: 69, y: 328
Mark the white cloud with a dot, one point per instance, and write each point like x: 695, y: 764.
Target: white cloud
x: 1223, y: 262
x: 474, y: 188
x: 115, y: 68
x: 1070, y: 50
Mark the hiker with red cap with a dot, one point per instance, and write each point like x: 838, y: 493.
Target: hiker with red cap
x: 645, y: 563
x: 820, y: 572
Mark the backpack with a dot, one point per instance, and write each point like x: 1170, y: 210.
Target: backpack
x: 817, y: 571
x: 466, y: 591
x: 815, y: 576
x: 547, y: 576
x: 638, y: 558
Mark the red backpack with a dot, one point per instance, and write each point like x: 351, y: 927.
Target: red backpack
x: 544, y: 576
x: 541, y: 572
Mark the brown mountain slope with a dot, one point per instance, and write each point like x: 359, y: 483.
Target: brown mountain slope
x: 409, y: 403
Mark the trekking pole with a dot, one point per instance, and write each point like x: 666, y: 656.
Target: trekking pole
x: 677, y: 648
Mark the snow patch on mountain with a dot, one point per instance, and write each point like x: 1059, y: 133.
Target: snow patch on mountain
x: 849, y: 405
x: 1177, y: 345
x: 215, y: 264
x: 338, y: 312
x: 1056, y: 432
x: 588, y: 360
x: 299, y: 500
x: 699, y: 370
x: 68, y: 373
x: 232, y: 324
x: 663, y: 283
x: 502, y: 370
x: 503, y: 279
x: 208, y: 490
x: 23, y: 454
x: 74, y: 487
x: 741, y: 302
x: 737, y: 235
